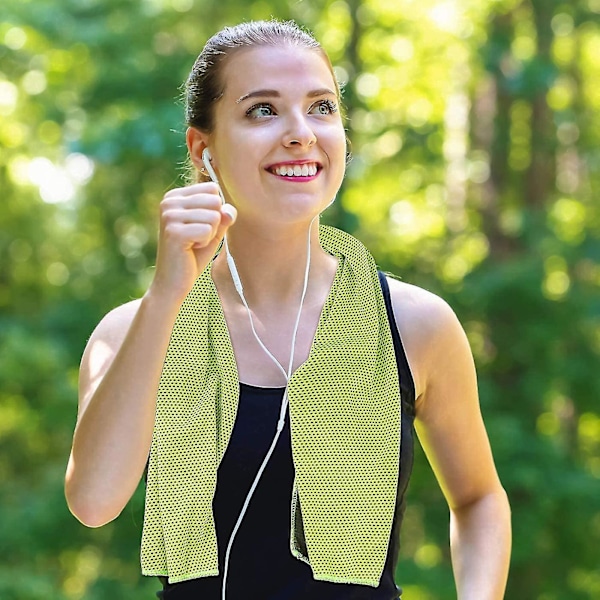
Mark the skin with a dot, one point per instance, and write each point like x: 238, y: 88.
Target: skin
x: 267, y: 220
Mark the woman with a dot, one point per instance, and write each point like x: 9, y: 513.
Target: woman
x: 269, y: 384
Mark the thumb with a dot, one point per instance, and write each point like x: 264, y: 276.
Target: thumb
x: 228, y: 217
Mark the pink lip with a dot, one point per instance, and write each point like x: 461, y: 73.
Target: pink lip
x: 304, y: 161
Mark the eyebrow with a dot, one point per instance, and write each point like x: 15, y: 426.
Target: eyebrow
x: 276, y: 94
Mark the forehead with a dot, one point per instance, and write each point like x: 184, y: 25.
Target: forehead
x: 282, y: 68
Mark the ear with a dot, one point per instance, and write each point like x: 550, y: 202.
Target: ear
x: 196, y: 142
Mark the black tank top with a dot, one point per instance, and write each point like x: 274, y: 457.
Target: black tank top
x: 261, y: 565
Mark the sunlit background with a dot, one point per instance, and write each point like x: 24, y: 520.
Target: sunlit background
x: 475, y: 128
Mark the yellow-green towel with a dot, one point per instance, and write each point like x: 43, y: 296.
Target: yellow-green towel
x: 345, y: 428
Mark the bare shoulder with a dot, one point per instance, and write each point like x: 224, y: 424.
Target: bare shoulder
x: 113, y: 328
x: 428, y: 326
x: 103, y: 345
x: 418, y: 303
x: 421, y: 314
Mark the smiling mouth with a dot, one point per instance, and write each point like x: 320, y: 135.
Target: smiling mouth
x: 305, y: 170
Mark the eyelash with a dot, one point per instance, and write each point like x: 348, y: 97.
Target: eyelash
x: 330, y: 104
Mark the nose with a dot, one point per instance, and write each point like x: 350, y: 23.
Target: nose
x: 299, y: 132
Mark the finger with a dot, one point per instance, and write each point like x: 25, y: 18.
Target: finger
x: 228, y: 214
x: 193, y: 215
x: 207, y: 201
x: 190, y: 235
x: 206, y: 187
x: 228, y: 217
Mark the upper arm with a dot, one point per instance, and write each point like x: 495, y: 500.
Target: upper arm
x: 448, y: 416
x: 101, y: 349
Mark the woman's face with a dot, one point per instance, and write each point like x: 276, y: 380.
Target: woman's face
x: 279, y: 145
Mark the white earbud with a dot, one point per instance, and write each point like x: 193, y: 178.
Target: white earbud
x: 206, y: 159
x: 237, y: 282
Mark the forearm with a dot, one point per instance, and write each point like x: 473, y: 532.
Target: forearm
x: 114, y: 433
x: 480, y: 539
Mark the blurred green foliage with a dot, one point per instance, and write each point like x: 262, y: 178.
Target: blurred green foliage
x: 475, y: 131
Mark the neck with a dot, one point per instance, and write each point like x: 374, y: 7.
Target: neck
x: 272, y: 265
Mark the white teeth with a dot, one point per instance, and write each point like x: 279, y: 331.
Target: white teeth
x: 306, y: 170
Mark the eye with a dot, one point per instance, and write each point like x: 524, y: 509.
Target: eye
x: 260, y: 110
x: 323, y: 107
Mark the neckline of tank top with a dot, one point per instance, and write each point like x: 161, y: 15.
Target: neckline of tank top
x: 257, y: 388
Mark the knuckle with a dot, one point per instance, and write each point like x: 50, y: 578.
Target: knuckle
x: 171, y: 229
x: 206, y: 230
x: 168, y: 215
x: 167, y: 204
x: 213, y: 218
x: 213, y: 201
x: 201, y: 234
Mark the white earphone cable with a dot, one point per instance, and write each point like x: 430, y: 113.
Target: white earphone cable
x: 285, y: 401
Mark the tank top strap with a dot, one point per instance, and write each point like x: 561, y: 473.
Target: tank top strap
x: 407, y: 385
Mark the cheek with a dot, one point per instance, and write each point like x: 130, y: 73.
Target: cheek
x: 337, y: 139
x: 240, y: 173
x: 338, y: 147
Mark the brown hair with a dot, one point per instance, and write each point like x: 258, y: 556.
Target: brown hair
x: 204, y: 86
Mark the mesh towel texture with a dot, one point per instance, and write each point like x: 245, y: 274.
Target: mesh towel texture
x: 345, y: 429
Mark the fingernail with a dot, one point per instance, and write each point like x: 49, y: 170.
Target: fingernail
x: 229, y: 210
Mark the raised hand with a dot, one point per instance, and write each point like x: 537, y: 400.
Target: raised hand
x: 192, y: 224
